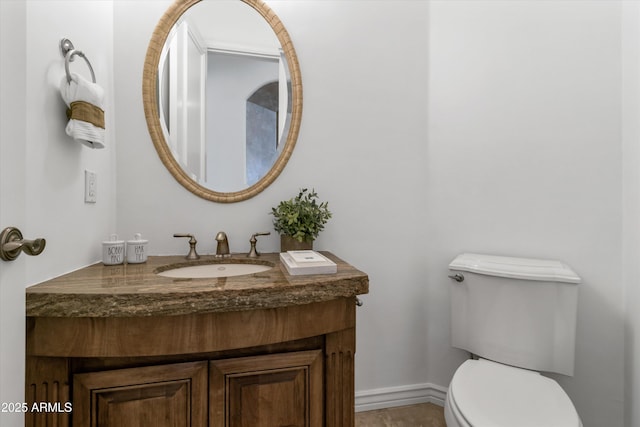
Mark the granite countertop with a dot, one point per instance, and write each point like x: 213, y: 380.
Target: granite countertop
x: 133, y: 290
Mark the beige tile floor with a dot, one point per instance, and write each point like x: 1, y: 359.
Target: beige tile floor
x: 421, y: 415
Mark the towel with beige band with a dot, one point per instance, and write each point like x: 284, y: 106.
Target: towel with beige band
x: 86, y: 114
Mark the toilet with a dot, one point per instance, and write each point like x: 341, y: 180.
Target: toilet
x: 517, y: 317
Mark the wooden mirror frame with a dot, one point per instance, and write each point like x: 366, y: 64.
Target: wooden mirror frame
x: 150, y: 101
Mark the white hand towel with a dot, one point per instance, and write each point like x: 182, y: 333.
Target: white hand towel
x: 86, y: 115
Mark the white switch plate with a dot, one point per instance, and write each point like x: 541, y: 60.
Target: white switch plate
x: 90, y: 187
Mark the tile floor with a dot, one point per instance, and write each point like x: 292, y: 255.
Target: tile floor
x: 421, y: 415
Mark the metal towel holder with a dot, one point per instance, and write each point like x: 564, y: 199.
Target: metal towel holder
x: 69, y: 51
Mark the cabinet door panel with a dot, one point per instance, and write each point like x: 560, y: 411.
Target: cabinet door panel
x: 168, y: 395
x: 283, y: 390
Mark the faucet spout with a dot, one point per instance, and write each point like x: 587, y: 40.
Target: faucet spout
x: 222, y: 249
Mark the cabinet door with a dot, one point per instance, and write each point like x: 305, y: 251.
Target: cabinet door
x: 167, y: 395
x: 283, y: 390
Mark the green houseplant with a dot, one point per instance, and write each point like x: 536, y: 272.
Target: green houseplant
x: 299, y: 220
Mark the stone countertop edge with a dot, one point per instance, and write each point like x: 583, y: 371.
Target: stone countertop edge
x: 135, y: 290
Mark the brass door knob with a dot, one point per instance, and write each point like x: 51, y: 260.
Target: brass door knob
x: 12, y: 244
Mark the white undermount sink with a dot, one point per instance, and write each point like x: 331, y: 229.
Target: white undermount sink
x: 205, y: 271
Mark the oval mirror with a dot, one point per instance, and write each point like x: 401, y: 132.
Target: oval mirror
x: 222, y: 96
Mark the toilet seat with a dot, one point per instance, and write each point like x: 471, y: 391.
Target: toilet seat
x: 488, y: 394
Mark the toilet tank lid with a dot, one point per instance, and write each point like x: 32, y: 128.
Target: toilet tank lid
x: 516, y: 268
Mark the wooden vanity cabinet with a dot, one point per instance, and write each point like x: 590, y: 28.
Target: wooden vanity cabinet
x: 288, y: 366
x: 259, y: 391
x: 265, y: 391
x: 161, y: 396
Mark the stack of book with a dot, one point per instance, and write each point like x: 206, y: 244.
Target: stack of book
x: 300, y: 263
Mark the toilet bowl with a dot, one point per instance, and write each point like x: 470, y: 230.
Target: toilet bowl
x: 483, y: 393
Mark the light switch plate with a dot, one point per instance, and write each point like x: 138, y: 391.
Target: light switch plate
x: 90, y: 187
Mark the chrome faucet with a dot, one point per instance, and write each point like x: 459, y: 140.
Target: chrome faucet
x: 222, y: 250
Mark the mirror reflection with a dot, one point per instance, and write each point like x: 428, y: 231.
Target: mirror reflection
x: 224, y: 98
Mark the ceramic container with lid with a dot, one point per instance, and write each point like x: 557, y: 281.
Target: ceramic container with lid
x: 137, y: 249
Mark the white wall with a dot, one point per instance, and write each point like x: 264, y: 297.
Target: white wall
x: 525, y: 159
x: 43, y: 173
x: 631, y: 205
x: 55, y: 181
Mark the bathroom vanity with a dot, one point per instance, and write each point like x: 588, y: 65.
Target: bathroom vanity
x: 121, y: 345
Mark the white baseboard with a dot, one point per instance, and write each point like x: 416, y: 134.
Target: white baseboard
x: 368, y: 400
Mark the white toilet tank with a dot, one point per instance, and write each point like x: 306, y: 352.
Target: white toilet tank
x: 516, y: 311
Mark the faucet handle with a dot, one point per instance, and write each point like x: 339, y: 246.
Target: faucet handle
x: 254, y: 252
x: 192, y: 246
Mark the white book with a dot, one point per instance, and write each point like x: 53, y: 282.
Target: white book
x: 310, y: 262
x: 307, y: 256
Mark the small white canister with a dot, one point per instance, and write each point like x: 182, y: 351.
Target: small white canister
x: 137, y: 249
x: 113, y: 251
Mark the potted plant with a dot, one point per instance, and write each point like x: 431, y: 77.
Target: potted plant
x: 299, y: 220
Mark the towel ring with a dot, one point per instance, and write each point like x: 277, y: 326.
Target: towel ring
x: 68, y: 51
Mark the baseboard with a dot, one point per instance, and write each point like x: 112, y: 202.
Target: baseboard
x: 388, y: 397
